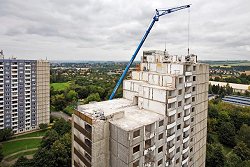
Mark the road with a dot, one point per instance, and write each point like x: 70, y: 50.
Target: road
x: 60, y: 115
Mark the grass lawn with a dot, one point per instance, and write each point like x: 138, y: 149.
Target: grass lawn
x: 21, y: 154
x: 60, y: 86
x: 34, y: 134
x: 15, y: 146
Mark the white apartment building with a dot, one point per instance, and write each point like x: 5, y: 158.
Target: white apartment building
x: 24, y: 94
x: 161, y: 121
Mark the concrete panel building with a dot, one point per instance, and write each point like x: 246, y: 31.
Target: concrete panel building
x: 24, y: 94
x: 160, y: 121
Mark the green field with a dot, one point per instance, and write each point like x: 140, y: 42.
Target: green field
x: 20, y: 145
x: 60, y: 86
x: 227, y: 63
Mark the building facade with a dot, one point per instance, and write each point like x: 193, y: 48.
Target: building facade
x: 160, y: 121
x: 24, y: 94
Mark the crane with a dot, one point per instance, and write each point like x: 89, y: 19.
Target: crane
x: 158, y: 14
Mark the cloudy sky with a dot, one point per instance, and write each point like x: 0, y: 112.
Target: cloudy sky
x: 112, y: 29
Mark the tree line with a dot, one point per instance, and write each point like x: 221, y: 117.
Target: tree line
x: 228, y: 129
x: 241, y: 79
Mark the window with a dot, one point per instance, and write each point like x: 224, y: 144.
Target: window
x: 170, y: 93
x: 136, y: 164
x: 193, y: 89
x: 194, y: 68
x: 192, y: 119
x: 171, y: 105
x: 178, y: 138
x: 178, y: 126
x: 193, y: 99
x: 191, y: 149
x: 180, y: 92
x: 161, y: 123
x: 159, y: 162
x: 180, y: 80
x: 177, y: 161
x: 136, y: 149
x: 191, y: 139
x: 178, y: 150
x: 192, y: 110
x: 179, y: 115
x: 192, y: 129
x: 160, y: 136
x: 136, y: 133
x: 194, y: 78
x: 160, y: 149
x: 179, y: 103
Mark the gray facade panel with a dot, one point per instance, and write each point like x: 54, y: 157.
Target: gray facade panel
x: 33, y: 95
x: 21, y: 97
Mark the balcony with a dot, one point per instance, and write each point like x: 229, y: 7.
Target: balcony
x: 170, y: 136
x: 171, y: 148
x: 149, y: 131
x: 185, y: 138
x: 188, y: 84
x: 149, y: 160
x: 187, y: 95
x: 171, y: 100
x: 171, y: 124
x: 184, y: 160
x: 185, y: 150
x: 169, y: 159
x: 187, y: 117
x: 188, y: 73
x: 186, y: 128
x: 172, y: 112
x: 149, y: 149
x: 187, y: 106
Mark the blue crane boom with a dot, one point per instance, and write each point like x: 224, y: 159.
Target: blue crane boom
x: 158, y: 14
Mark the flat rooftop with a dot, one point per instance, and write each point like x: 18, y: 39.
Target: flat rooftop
x: 133, y: 117
x: 107, y: 107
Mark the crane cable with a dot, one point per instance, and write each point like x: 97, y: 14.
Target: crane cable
x: 188, y: 28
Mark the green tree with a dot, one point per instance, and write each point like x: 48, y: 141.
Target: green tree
x: 244, y: 164
x: 43, y: 126
x: 227, y: 133
x: 214, y: 156
x: 5, y: 134
x: 1, y: 152
x: 242, y: 151
x: 43, y: 158
x: 71, y: 96
x: 83, y: 92
x: 61, y: 126
x: 244, y: 134
x: 93, y: 97
x: 58, y: 101
x: 61, y: 151
x: 49, y: 138
x: 232, y: 160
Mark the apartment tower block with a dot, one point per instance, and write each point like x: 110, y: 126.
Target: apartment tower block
x: 24, y: 94
x: 161, y: 121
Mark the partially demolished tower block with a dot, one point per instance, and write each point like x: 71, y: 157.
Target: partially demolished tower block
x: 160, y: 121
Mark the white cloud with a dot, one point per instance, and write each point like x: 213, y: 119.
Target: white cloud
x: 111, y: 30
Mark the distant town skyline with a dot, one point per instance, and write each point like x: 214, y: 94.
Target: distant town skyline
x: 109, y: 30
